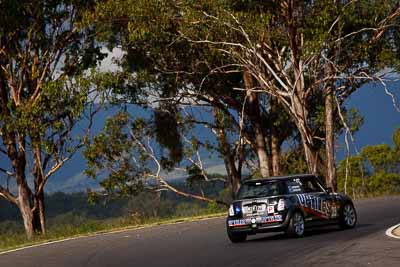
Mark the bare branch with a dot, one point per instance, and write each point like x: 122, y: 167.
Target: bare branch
x: 347, y: 133
x: 8, y: 173
x: 7, y: 195
x: 149, y: 151
x: 173, y: 189
x: 200, y: 165
x: 390, y: 94
x: 60, y: 163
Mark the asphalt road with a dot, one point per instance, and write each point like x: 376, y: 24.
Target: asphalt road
x: 204, y: 243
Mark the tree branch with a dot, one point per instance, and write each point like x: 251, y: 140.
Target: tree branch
x: 163, y: 183
x: 7, y: 195
x: 8, y: 173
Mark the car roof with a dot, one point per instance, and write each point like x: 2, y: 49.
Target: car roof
x: 277, y: 178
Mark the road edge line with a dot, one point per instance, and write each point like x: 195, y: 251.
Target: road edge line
x: 117, y: 231
x: 389, y: 232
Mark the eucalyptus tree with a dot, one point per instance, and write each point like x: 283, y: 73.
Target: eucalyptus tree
x: 128, y: 155
x: 44, y: 92
x: 298, y: 50
x: 175, y: 71
x: 374, y: 171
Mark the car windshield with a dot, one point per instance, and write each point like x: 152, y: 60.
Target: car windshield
x: 259, y: 189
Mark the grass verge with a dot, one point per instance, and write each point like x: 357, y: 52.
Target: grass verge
x: 91, y: 228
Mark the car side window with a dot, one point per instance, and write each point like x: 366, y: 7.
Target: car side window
x: 294, y: 186
x: 310, y: 185
x: 321, y: 181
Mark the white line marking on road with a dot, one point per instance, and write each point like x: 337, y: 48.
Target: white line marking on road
x: 106, y: 233
x: 389, y: 232
x: 44, y: 244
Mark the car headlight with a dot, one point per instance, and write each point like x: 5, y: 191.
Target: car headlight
x: 231, y: 210
x: 234, y: 209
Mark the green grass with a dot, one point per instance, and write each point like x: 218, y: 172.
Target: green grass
x: 17, y: 239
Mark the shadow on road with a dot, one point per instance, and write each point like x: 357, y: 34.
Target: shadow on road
x: 308, y: 234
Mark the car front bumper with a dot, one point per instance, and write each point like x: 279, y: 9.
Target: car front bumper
x: 258, y: 224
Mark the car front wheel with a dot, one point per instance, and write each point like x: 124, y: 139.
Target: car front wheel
x: 236, y: 237
x: 296, y: 225
x: 348, y: 217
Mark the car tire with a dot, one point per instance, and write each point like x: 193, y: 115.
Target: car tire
x: 296, y: 225
x: 236, y: 237
x: 348, y: 216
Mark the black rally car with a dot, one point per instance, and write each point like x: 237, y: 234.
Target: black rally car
x: 289, y: 204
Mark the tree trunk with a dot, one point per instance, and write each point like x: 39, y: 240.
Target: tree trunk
x: 253, y: 110
x: 42, y: 214
x: 329, y: 141
x: 157, y: 203
x: 39, y: 205
x: 24, y: 205
x: 234, y: 176
x: 311, y: 157
x: 364, y: 187
x: 300, y: 116
x: 24, y: 199
x: 275, y: 142
x: 300, y: 112
x: 39, y: 218
x: 275, y: 152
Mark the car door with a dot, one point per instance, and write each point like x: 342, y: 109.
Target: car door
x: 316, y: 201
x: 331, y: 201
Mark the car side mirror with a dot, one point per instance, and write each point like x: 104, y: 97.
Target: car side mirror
x: 329, y: 190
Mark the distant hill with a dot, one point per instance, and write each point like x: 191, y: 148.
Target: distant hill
x: 71, y: 178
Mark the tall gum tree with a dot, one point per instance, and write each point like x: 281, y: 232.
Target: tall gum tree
x: 288, y: 46
x: 252, y: 106
x: 154, y: 52
x: 43, y: 93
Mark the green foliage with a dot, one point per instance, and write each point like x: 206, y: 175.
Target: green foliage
x: 396, y: 141
x: 131, y: 154
x: 380, y: 157
x: 356, y: 177
x: 353, y: 119
x: 47, y: 59
x: 293, y: 161
x: 384, y: 183
x: 167, y: 132
x: 375, y: 171
x: 199, y: 47
x: 187, y: 50
x: 110, y: 151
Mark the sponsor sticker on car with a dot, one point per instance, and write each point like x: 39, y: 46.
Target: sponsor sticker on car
x: 236, y: 222
x: 269, y: 219
x: 255, y: 208
x: 271, y: 209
